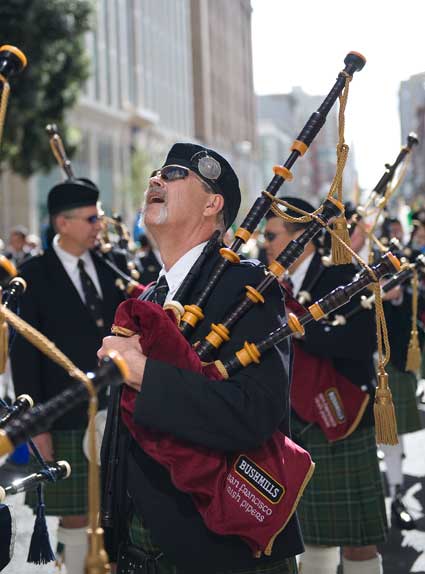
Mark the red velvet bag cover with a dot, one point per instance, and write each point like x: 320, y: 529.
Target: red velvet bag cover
x: 321, y: 395
x: 252, y: 495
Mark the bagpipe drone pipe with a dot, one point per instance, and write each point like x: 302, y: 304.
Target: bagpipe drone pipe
x: 377, y: 195
x: 193, y: 313
x: 366, y: 302
x: 112, y: 371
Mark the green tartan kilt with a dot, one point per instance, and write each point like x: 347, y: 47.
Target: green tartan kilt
x: 343, y: 504
x: 403, y: 388
x: 141, y: 537
x: 69, y: 496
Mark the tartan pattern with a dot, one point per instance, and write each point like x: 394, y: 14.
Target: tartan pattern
x: 343, y: 504
x: 66, y: 497
x: 141, y: 537
x: 403, y: 388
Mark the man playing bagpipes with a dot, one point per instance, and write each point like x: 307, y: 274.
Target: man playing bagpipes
x: 332, y: 417
x: 71, y: 298
x: 148, y: 522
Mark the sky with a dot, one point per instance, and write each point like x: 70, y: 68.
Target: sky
x: 304, y: 43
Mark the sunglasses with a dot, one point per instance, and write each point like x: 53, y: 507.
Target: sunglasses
x: 171, y: 172
x: 92, y: 219
x: 271, y: 235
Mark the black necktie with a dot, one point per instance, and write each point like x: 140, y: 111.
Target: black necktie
x: 93, y: 300
x: 288, y: 285
x: 160, y: 291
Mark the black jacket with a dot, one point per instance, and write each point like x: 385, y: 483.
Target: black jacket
x: 350, y: 347
x: 399, y: 325
x: 52, y: 305
x: 229, y: 416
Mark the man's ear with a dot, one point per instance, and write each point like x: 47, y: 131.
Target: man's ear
x: 60, y: 222
x: 214, y: 204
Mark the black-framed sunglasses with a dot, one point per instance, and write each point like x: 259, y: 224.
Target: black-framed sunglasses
x: 270, y: 235
x: 92, y: 219
x: 171, y: 172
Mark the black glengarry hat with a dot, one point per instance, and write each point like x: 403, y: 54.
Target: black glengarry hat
x: 71, y: 194
x: 214, y: 170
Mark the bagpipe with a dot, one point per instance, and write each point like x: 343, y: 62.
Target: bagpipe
x: 58, y: 471
x: 115, y: 254
x: 193, y: 313
x: 366, y: 302
x: 7, y: 271
x: 272, y: 478
x: 381, y: 193
x: 282, y: 468
x: 9, y: 298
x: 12, y: 62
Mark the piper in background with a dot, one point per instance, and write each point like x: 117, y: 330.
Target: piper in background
x: 343, y: 505
x: 402, y: 372
x: 71, y: 298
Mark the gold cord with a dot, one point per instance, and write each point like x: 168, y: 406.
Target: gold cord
x: 4, y: 97
x: 413, y: 362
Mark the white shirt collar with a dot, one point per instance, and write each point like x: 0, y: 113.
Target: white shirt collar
x: 67, y: 258
x: 297, y: 277
x: 180, y: 269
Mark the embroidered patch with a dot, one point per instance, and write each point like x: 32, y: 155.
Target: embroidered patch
x: 334, y: 400
x: 259, y: 479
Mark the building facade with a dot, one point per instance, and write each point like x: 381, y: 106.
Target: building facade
x: 161, y: 72
x: 412, y: 118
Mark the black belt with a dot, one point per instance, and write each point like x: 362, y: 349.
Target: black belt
x: 134, y: 560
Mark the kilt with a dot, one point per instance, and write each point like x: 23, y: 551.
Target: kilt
x: 66, y: 497
x: 141, y: 537
x: 403, y: 388
x: 343, y: 504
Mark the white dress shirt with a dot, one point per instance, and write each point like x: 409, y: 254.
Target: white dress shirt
x: 70, y: 264
x: 180, y: 269
x: 297, y: 277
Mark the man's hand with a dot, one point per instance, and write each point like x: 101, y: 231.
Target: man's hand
x: 395, y: 295
x: 129, y: 349
x: 44, y: 444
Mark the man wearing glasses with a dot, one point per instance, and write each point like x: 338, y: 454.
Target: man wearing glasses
x: 155, y: 527
x: 71, y: 298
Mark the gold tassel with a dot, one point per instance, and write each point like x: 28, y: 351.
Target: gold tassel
x: 413, y: 362
x: 340, y: 255
x: 383, y: 409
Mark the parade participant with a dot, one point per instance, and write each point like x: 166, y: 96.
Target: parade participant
x: 18, y: 250
x: 398, y: 314
x: 343, y: 505
x: 195, y: 193
x: 71, y: 298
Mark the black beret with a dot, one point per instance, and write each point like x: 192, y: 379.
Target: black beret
x: 214, y: 170
x: 296, y: 202
x: 71, y: 194
x: 305, y: 206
